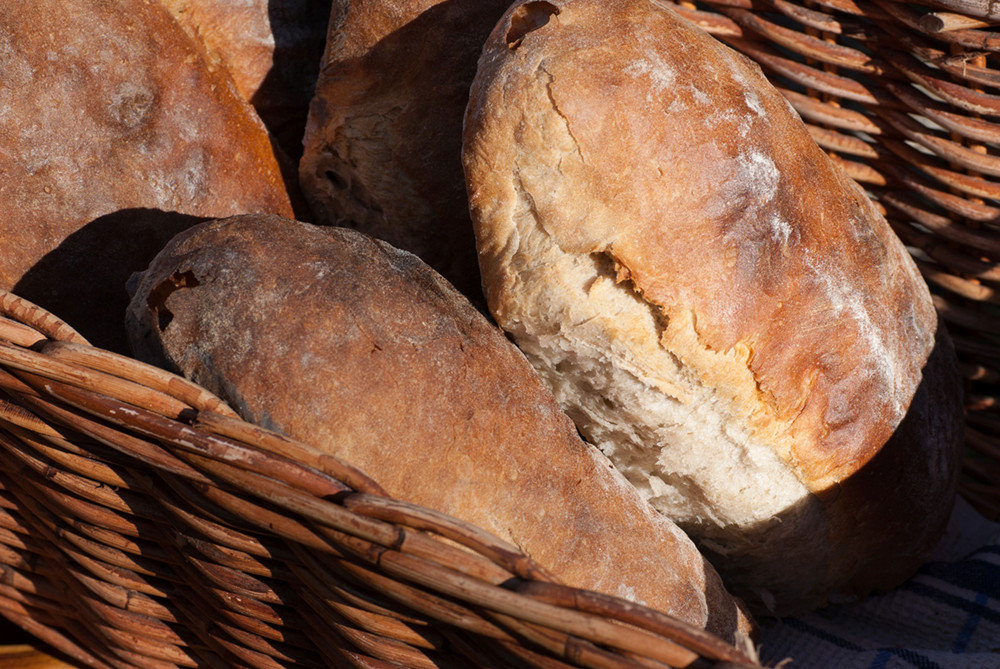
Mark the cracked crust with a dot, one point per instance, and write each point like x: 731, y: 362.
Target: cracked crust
x: 714, y: 302
x: 375, y: 358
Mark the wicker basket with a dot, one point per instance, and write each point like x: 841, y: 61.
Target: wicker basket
x: 906, y: 97
x: 143, y: 524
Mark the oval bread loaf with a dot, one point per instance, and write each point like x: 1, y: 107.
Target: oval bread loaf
x: 360, y: 349
x: 711, y: 299
x: 115, y: 135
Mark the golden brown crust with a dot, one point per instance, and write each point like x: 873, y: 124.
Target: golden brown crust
x: 356, y: 347
x: 272, y: 51
x: 734, y: 181
x: 116, y: 137
x: 383, y: 143
x: 614, y: 136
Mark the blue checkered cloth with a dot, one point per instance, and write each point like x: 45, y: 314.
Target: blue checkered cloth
x: 946, y: 617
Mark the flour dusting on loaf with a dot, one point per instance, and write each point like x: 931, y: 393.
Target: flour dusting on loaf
x: 717, y: 306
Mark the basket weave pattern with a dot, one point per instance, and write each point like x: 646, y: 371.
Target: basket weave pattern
x: 143, y: 524
x: 906, y: 98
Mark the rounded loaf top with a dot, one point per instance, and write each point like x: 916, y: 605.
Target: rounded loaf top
x: 658, y: 230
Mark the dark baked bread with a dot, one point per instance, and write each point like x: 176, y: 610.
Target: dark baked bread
x: 360, y: 349
x: 712, y: 300
x: 384, y: 137
x: 115, y: 137
x: 272, y: 50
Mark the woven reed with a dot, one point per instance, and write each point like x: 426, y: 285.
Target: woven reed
x: 143, y: 524
x: 906, y: 97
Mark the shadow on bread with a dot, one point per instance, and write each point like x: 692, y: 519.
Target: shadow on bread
x: 872, y: 530
x: 83, y: 278
x: 383, y: 141
x: 282, y: 98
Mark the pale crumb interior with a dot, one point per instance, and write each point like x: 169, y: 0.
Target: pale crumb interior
x: 680, y: 442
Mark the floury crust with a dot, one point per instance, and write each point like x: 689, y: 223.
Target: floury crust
x: 712, y: 300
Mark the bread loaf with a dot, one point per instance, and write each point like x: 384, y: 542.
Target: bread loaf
x: 360, y: 349
x: 384, y: 137
x: 115, y: 136
x: 718, y: 307
x: 272, y: 50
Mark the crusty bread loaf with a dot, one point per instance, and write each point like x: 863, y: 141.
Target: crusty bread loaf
x: 712, y: 300
x: 115, y: 136
x: 353, y: 346
x: 272, y: 50
x: 383, y: 141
